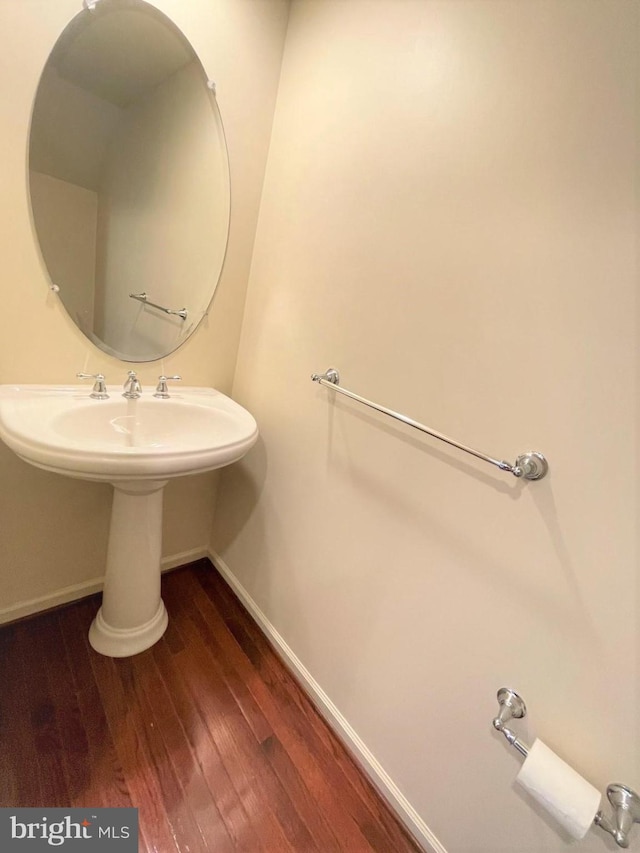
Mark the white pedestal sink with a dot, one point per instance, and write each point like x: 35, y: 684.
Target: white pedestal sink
x: 137, y: 446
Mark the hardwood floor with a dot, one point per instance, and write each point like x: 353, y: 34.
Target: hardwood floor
x: 207, y: 734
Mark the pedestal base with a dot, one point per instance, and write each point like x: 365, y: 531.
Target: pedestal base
x: 123, y: 642
x: 132, y: 617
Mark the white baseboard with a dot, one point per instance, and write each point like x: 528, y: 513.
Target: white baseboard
x: 52, y: 599
x: 82, y: 590
x: 338, y: 723
x: 183, y: 558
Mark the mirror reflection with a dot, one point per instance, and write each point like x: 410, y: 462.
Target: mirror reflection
x: 129, y: 179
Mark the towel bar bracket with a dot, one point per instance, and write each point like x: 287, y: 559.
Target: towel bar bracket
x: 331, y: 375
x: 533, y: 465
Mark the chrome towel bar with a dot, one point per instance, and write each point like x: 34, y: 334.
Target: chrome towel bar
x: 142, y: 297
x: 530, y: 466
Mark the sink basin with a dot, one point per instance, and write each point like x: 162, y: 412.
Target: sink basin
x: 137, y: 446
x: 64, y: 430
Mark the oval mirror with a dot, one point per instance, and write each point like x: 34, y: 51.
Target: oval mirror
x: 129, y: 179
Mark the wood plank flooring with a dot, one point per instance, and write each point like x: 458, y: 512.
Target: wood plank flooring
x: 207, y: 734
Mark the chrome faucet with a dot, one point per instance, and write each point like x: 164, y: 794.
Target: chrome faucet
x: 99, y: 391
x: 162, y: 392
x: 132, y: 387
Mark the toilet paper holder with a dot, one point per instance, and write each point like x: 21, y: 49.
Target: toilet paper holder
x: 624, y: 801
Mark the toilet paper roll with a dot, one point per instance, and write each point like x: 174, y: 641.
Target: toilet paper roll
x: 569, y: 798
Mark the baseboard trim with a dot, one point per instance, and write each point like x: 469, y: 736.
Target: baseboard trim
x: 338, y: 723
x: 81, y: 590
x: 183, y: 558
x: 49, y: 601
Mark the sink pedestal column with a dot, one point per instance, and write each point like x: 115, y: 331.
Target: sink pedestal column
x: 132, y: 617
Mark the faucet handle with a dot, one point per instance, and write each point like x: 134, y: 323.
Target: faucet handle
x: 162, y: 392
x: 99, y: 391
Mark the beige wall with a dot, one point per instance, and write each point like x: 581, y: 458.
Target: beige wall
x: 449, y: 218
x: 66, y: 217
x: 180, y: 220
x: 59, y: 143
x: 53, y: 531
